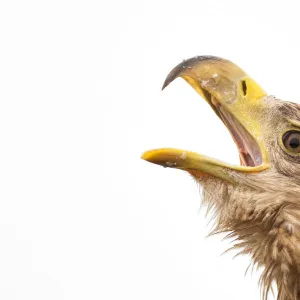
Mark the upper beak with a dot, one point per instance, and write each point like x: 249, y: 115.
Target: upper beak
x: 237, y: 100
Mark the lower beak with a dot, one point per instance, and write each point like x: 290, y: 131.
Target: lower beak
x: 238, y: 102
x: 196, y: 164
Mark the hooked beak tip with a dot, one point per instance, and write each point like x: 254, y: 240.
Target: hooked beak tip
x: 164, y: 85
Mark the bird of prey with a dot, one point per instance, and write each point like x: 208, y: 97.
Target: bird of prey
x: 258, y: 202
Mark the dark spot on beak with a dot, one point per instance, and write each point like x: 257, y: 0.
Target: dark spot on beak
x: 244, y: 87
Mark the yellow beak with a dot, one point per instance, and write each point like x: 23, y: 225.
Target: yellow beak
x: 237, y: 100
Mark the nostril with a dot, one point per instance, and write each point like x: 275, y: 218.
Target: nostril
x: 244, y: 87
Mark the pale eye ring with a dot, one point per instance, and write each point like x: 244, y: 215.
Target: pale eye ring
x: 291, y: 141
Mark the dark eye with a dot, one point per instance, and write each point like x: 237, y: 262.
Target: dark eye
x: 291, y: 141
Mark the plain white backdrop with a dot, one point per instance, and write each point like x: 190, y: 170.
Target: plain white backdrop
x: 81, y: 215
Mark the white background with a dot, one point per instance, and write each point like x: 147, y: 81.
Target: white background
x: 81, y: 215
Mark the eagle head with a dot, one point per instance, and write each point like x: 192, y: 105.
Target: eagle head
x: 258, y: 201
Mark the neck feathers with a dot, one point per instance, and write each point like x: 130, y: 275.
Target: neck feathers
x: 266, y: 229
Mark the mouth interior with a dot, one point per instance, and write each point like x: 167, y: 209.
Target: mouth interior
x: 249, y: 151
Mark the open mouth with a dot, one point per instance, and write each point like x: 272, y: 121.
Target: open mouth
x: 237, y: 101
x: 250, y: 154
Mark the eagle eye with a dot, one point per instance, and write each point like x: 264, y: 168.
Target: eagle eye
x: 291, y: 141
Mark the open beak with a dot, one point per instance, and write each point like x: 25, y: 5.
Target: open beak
x: 237, y: 101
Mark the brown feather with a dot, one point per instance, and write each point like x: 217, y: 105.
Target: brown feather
x: 262, y: 213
